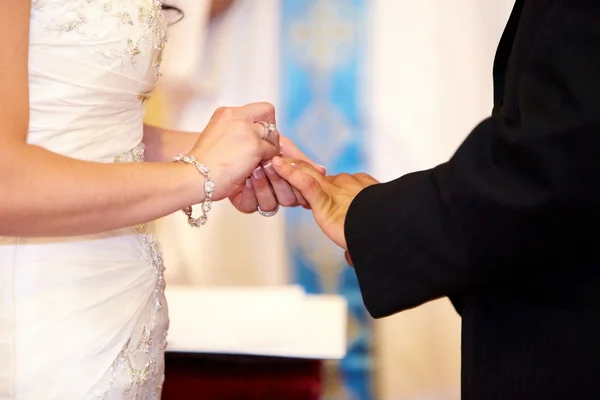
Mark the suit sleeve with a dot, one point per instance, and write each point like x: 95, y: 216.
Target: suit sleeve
x: 520, y: 193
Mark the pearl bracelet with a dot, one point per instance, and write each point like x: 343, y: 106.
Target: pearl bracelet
x: 209, y: 188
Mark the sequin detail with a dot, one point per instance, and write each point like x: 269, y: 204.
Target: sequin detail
x: 84, y: 16
x: 134, y: 155
x: 139, y: 368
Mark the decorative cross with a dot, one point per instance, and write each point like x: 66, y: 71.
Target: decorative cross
x: 325, y: 36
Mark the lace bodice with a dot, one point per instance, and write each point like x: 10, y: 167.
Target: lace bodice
x: 102, y: 59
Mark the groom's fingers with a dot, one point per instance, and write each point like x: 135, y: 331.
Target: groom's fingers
x: 348, y: 259
x: 302, y: 176
x: 290, y: 150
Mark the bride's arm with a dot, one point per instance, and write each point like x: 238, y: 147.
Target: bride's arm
x: 46, y: 194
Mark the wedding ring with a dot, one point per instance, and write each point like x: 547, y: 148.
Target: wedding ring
x: 269, y: 128
x: 268, y: 213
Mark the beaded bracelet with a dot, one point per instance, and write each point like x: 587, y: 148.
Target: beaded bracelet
x: 209, y: 188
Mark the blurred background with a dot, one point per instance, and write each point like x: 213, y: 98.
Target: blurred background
x: 382, y: 86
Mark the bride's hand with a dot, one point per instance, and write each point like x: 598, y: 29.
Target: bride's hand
x: 231, y: 146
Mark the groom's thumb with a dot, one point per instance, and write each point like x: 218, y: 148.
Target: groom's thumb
x: 304, y: 177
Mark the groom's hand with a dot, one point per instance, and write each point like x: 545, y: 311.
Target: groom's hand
x: 329, y: 196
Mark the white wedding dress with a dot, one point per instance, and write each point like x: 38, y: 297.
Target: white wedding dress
x: 85, y: 317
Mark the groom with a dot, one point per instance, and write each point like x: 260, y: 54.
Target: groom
x: 508, y: 228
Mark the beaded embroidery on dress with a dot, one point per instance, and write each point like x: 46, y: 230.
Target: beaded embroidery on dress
x: 84, y: 17
x: 85, y: 317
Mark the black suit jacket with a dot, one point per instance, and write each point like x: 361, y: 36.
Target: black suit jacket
x: 509, y: 227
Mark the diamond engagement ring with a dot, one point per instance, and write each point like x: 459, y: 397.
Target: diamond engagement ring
x: 268, y: 213
x: 269, y: 128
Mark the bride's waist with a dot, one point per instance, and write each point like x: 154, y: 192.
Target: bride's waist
x: 96, y: 139
x: 117, y: 244
x: 116, y: 256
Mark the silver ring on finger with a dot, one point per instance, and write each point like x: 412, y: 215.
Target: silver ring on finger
x: 268, y: 213
x: 269, y: 128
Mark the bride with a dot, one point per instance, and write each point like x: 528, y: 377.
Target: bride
x: 82, y: 309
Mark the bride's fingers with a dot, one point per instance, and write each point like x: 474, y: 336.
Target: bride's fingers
x: 283, y: 191
x: 287, y: 195
x: 245, y: 201
x: 254, y: 112
x: 300, y: 199
x: 269, y: 148
x: 262, y: 190
x: 274, y: 140
x: 269, y: 133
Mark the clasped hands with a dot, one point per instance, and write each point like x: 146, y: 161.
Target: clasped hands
x: 254, y: 169
x: 327, y: 196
